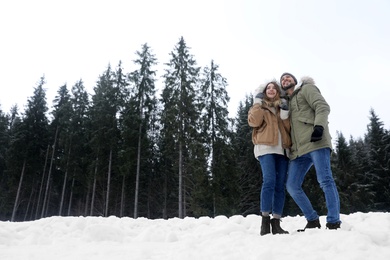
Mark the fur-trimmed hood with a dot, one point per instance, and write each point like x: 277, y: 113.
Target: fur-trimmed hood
x: 262, y: 86
x: 305, y: 80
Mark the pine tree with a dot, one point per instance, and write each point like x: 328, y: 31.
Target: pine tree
x: 28, y: 147
x: 378, y: 143
x: 106, y: 104
x: 4, y: 144
x: 62, y: 141
x: 144, y: 104
x: 217, y: 138
x: 247, y: 166
x: 343, y: 172
x: 4, y: 137
x: 180, y: 119
x: 363, y: 195
x: 79, y: 149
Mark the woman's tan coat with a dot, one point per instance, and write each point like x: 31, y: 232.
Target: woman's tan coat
x: 265, y: 125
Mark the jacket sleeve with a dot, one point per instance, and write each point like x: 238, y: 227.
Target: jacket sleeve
x: 287, y: 126
x: 284, y: 114
x: 255, y: 116
x: 318, y: 103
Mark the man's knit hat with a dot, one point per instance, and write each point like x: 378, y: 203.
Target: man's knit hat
x: 291, y: 75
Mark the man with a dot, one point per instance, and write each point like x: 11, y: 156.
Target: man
x: 311, y: 145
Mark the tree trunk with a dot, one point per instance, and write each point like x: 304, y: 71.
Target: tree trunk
x: 49, y: 174
x: 64, y: 184
x: 138, y: 157
x: 164, y: 210
x: 63, y: 193
x: 42, y: 181
x: 48, y: 200
x: 180, y: 180
x: 122, y: 197
x: 71, y: 196
x: 108, y: 183
x: 30, y: 199
x: 149, y: 197
x: 184, y: 194
x: 87, y: 199
x: 137, y: 174
x: 18, y: 192
x: 94, y: 187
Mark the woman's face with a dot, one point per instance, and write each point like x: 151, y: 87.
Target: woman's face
x: 271, y: 91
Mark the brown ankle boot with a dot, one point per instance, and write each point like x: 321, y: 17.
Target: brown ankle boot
x: 276, y: 229
x: 265, y: 225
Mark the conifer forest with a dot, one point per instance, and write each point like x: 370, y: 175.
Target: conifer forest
x: 126, y: 150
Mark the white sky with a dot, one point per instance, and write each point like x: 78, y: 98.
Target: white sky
x: 342, y: 44
x: 363, y: 236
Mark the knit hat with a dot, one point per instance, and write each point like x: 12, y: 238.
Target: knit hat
x: 291, y: 75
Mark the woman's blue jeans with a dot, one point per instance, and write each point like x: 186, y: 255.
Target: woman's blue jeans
x: 297, y: 171
x: 273, y: 192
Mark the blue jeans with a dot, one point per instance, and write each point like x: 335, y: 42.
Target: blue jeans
x: 273, y: 192
x: 297, y: 171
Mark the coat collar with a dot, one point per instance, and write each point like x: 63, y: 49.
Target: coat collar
x: 304, y: 80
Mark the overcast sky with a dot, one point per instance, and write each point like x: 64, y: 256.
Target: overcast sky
x: 342, y: 44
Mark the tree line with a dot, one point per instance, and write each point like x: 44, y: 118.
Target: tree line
x: 125, y: 151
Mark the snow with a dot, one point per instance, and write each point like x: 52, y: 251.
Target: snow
x: 362, y: 236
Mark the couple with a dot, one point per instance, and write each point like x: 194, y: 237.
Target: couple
x: 291, y: 137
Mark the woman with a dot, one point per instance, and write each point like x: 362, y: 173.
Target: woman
x: 271, y: 138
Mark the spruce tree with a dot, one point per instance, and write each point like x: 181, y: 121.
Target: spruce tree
x: 181, y: 143
x: 4, y: 137
x: 15, y: 156
x: 105, y: 136
x: 4, y: 144
x: 29, y: 142
x: 79, y: 150
x: 247, y: 165
x: 217, y: 139
x: 362, y: 187
x: 342, y: 166
x: 143, y: 104
x: 62, y: 142
x: 378, y: 142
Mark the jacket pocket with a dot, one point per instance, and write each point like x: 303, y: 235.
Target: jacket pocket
x: 304, y: 130
x: 306, y: 120
x: 260, y: 135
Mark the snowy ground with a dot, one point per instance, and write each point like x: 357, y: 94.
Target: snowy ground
x: 362, y: 236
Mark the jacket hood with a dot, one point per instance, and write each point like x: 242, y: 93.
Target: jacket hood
x: 305, y: 80
x: 262, y: 86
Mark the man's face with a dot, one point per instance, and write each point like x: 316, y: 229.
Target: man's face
x: 287, y: 81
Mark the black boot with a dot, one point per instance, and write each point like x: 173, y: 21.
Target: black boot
x: 333, y: 225
x: 265, y: 225
x: 311, y: 224
x: 276, y: 229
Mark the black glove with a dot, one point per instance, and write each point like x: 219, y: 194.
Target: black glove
x: 283, y: 104
x: 317, y: 133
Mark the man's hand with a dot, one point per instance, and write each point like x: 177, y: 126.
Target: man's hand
x: 317, y: 133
